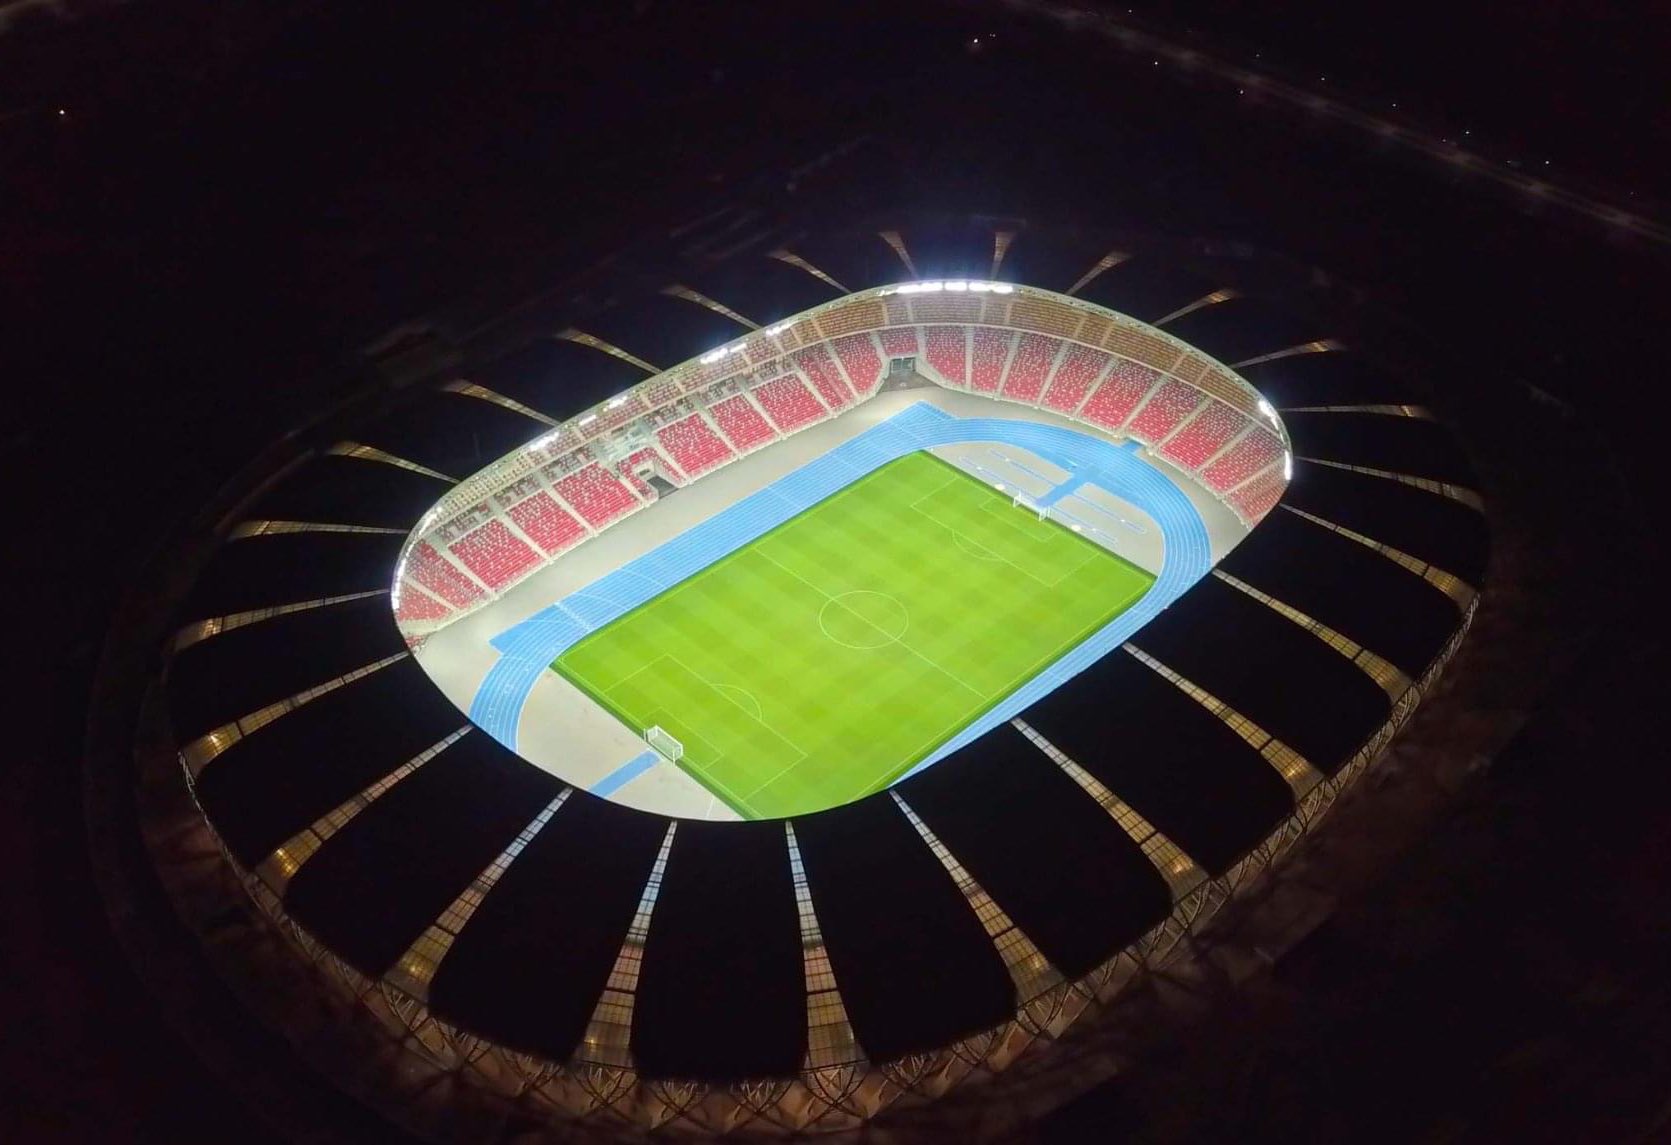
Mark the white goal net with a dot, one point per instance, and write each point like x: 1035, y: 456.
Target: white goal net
x: 664, y: 744
x: 1022, y: 501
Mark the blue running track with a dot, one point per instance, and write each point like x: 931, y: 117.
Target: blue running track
x: 528, y: 648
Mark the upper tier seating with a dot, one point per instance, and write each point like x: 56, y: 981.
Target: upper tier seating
x: 430, y: 569
x: 1166, y: 408
x: 861, y: 361
x: 1025, y: 380
x: 1205, y: 435
x: 947, y: 351
x: 1258, y: 496
x: 897, y: 342
x: 789, y: 403
x: 1079, y: 369
x: 991, y: 351
x: 416, y: 604
x: 495, y: 554
x: 816, y: 363
x: 694, y: 446
x: 597, y: 495
x: 1242, y: 460
x: 1119, y: 393
x: 741, y: 422
x: 549, y: 525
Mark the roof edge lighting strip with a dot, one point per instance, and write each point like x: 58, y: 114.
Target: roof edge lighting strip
x: 414, y: 970
x: 1182, y: 873
x: 1459, y: 493
x: 1321, y: 346
x: 197, y: 754
x: 200, y: 630
x: 249, y: 529
x: 897, y: 245
x: 1296, y: 770
x: 1201, y: 303
x: 581, y: 338
x: 372, y: 453
x: 482, y: 393
x: 830, y: 1040
x: 277, y: 869
x: 678, y: 290
x: 1107, y: 262
x: 608, y: 1038
x: 1390, y: 678
x: 1029, y: 969
x: 1448, y: 583
x: 790, y: 258
x: 1421, y: 413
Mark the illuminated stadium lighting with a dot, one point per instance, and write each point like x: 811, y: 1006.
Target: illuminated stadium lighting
x: 1287, y: 466
x: 588, y: 419
x: 617, y: 402
x: 955, y: 285
x: 774, y: 331
x: 1267, y: 409
x: 713, y: 356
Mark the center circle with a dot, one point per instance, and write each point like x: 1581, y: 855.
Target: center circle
x: 863, y: 619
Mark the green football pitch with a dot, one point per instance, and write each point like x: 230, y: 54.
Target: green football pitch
x: 821, y: 661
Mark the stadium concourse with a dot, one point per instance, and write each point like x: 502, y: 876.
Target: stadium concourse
x: 1280, y: 545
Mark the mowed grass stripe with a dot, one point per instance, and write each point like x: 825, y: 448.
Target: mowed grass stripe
x: 827, y: 657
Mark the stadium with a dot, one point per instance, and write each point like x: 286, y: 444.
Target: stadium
x: 812, y: 684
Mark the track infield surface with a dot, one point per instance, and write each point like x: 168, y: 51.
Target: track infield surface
x: 821, y: 661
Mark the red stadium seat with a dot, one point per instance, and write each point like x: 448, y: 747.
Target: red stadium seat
x: 1242, y: 460
x: 741, y: 422
x: 861, y: 361
x: 1119, y: 394
x: 1204, y: 436
x: 1080, y: 368
x: 1165, y: 410
x: 430, y: 569
x: 549, y: 525
x: 815, y: 362
x: 789, y: 403
x: 1258, y: 496
x: 694, y: 445
x: 1027, y: 373
x: 597, y: 495
x: 991, y: 351
x: 897, y: 342
x: 495, y: 554
x: 946, y: 349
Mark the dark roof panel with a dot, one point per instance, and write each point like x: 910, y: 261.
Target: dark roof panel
x: 1348, y: 586
x: 1178, y: 765
x: 450, y: 433
x: 951, y: 250
x: 1059, y: 865
x: 1268, y: 668
x: 763, y: 289
x: 1241, y: 327
x: 374, y: 886
x: 664, y: 330
x: 1426, y: 525
x: 1331, y: 378
x: 1409, y: 445
x: 722, y: 989
x: 1048, y: 259
x: 230, y: 676
x: 269, y: 785
x: 337, y: 490
x: 915, y: 967
x: 857, y: 261
x: 1146, y: 287
x: 558, y: 377
x: 291, y: 568
x: 531, y: 964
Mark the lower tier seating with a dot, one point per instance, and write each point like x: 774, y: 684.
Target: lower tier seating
x: 898, y: 342
x: 597, y: 495
x: 1258, y: 496
x: 416, y: 604
x: 1166, y: 408
x: 549, y: 525
x: 789, y: 403
x: 694, y: 446
x: 1242, y: 460
x: 495, y: 554
x: 1119, y: 394
x: 430, y: 569
x: 861, y: 361
x: 1205, y: 435
x: 946, y: 349
x: 991, y: 352
x: 1080, y: 368
x: 1030, y: 368
x: 741, y: 422
x: 815, y: 362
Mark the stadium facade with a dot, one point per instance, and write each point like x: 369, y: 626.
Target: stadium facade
x: 574, y: 959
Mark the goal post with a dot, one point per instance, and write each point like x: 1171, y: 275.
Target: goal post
x: 1022, y: 501
x: 664, y: 744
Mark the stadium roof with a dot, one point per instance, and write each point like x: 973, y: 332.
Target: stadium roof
x: 1379, y: 525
